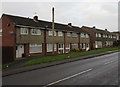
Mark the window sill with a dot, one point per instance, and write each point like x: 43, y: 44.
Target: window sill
x: 36, y: 52
x: 36, y: 34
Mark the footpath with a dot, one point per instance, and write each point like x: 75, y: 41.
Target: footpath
x: 12, y: 71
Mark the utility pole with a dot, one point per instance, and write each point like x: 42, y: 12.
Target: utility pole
x: 53, y: 28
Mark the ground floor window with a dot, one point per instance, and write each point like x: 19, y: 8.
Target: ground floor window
x: 35, y: 48
x: 109, y: 43
x: 50, y: 47
x: 67, y: 47
x: 74, y: 46
x: 98, y: 44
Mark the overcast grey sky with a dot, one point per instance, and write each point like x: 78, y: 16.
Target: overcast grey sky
x: 103, y: 15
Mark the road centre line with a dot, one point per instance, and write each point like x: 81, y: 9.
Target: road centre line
x: 109, y: 62
x: 68, y: 77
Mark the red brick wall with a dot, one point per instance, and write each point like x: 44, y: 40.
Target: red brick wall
x: 7, y: 38
x: 36, y: 54
x: 26, y: 49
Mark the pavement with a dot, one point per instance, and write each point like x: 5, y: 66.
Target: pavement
x: 100, y: 70
x: 12, y: 71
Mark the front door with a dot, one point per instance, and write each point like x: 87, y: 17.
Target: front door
x: 60, y: 48
x: 19, y: 51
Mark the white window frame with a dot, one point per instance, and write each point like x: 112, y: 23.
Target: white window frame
x: 37, y: 30
x: 23, y: 32
x: 50, y: 33
x: 87, y: 36
x: 111, y: 36
x: 51, y: 45
x: 68, y: 34
x: 74, y: 34
x: 60, y: 33
x: 55, y: 34
x: 106, y: 36
x: 103, y: 35
x: 75, y: 45
x: 82, y: 35
x: 96, y: 35
x: 48, y: 49
x: 98, y: 44
x: 99, y: 35
x: 0, y: 32
x: 37, y: 46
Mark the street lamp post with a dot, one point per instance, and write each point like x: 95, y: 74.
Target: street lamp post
x: 53, y: 29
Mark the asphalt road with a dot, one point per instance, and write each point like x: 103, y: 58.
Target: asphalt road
x: 102, y: 70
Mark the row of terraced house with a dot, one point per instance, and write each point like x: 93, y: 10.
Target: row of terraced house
x: 23, y: 37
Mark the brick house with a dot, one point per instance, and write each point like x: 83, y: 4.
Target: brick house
x: 117, y: 34
x: 99, y: 38
x: 22, y: 37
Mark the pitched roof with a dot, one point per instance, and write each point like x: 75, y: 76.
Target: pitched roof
x: 40, y: 23
x: 90, y: 29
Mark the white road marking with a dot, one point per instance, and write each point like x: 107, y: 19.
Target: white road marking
x: 109, y: 62
x: 68, y: 77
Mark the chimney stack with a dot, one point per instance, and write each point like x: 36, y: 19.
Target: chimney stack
x: 35, y: 18
x: 105, y: 29
x: 94, y: 27
x: 69, y: 24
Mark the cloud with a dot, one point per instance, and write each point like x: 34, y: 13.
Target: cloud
x: 100, y: 14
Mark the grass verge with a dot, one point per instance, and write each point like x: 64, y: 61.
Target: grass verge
x: 44, y: 59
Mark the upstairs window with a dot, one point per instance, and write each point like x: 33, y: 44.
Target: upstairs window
x: 60, y: 33
x: 24, y: 31
x: 74, y: 34
x: 0, y: 32
x: 111, y: 36
x: 50, y: 33
x: 114, y: 37
x: 68, y: 34
x: 104, y: 35
x: 96, y: 35
x: 82, y: 35
x: 36, y: 32
x: 87, y: 35
x: 99, y: 35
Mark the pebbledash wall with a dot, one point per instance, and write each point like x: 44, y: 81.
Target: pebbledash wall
x: 23, y: 37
